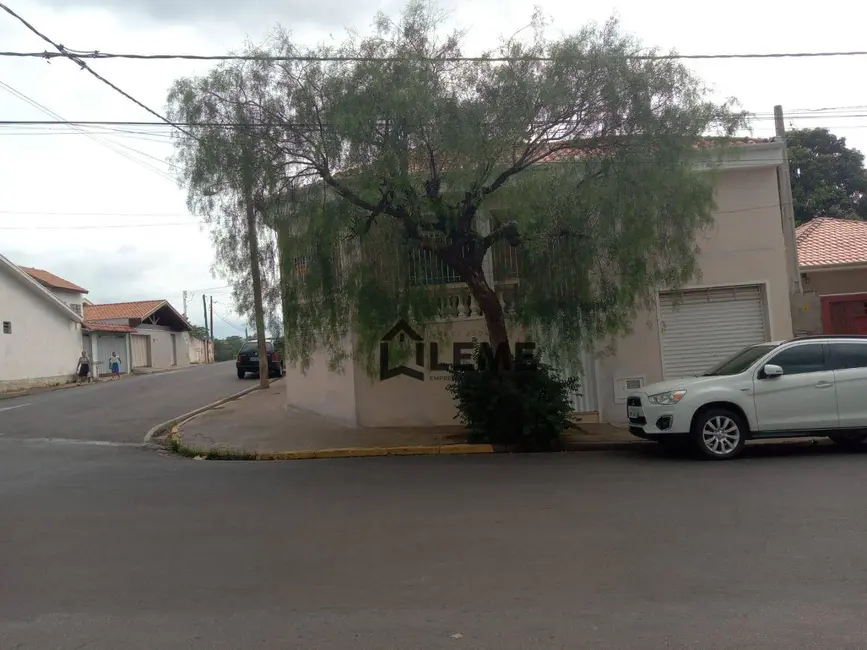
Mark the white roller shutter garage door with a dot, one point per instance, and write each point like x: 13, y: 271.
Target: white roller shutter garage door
x: 700, y: 328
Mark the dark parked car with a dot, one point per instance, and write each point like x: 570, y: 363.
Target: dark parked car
x: 248, y: 360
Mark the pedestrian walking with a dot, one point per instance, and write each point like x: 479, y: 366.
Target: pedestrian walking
x: 114, y: 364
x: 82, y: 371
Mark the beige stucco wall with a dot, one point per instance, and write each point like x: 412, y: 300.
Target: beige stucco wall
x: 828, y: 283
x: 318, y: 389
x: 744, y: 246
x: 403, y: 401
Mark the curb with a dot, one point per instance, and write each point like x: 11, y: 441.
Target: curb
x: 169, y: 424
x: 216, y: 453
x: 179, y: 447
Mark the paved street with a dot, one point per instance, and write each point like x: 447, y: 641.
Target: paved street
x: 120, y: 411
x: 120, y: 547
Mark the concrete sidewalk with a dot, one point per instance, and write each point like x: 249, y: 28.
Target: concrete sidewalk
x: 261, y: 424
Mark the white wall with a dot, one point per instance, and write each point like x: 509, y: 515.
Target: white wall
x: 161, y: 345
x: 44, y: 345
x: 71, y: 298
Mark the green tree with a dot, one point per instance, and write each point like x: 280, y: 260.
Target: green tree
x: 231, y: 172
x: 572, y: 151
x: 200, y: 332
x: 828, y: 178
x: 226, y: 349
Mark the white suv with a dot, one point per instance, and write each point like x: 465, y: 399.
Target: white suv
x: 808, y: 386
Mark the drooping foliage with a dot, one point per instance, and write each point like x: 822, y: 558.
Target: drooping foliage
x: 572, y: 157
x: 226, y: 145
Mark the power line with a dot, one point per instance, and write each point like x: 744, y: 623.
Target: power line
x: 96, y: 54
x: 111, y: 226
x: 247, y: 125
x: 97, y: 214
x: 222, y: 318
x: 48, y: 111
x: 79, y: 61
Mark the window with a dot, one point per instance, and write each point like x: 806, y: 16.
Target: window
x: 250, y: 346
x: 741, y: 361
x: 76, y: 308
x: 800, y: 359
x: 7, y: 327
x: 848, y: 355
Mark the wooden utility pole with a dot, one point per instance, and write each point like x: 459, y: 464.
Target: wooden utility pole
x: 787, y: 206
x: 264, y: 380
x: 212, y: 318
x: 205, y: 310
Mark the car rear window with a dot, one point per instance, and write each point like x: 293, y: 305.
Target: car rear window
x: 249, y: 346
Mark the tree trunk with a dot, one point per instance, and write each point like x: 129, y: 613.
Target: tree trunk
x: 491, y: 308
x: 257, y: 290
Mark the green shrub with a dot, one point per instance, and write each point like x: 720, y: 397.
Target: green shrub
x: 526, y: 406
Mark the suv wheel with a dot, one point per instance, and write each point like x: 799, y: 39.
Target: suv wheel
x: 848, y: 440
x: 241, y: 374
x: 719, y: 434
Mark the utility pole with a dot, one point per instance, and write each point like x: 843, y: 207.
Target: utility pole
x: 246, y: 335
x: 787, y: 206
x: 205, y: 310
x: 185, y: 304
x: 212, y: 318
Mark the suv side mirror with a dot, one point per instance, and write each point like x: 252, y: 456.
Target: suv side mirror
x: 770, y: 371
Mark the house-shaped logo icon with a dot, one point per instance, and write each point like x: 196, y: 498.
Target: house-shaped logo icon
x: 400, y: 332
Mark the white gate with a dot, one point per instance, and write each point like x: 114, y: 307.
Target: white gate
x: 707, y: 326
x: 140, y: 351
x: 108, y: 344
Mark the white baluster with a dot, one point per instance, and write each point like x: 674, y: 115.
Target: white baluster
x: 463, y: 309
x: 475, y: 310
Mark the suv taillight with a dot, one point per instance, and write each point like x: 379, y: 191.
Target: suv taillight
x: 274, y: 357
x: 239, y: 357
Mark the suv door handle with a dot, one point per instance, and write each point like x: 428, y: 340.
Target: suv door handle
x: 824, y: 384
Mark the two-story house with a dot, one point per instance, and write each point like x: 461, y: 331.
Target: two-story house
x: 741, y: 296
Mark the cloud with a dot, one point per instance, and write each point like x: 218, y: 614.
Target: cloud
x: 324, y: 13
x: 109, y: 276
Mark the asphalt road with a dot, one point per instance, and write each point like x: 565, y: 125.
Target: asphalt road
x: 118, y: 411
x: 106, y: 547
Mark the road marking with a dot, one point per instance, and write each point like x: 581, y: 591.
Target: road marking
x: 9, y: 408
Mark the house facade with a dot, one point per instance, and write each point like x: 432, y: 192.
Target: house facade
x: 147, y: 334
x: 832, y: 256
x: 40, y: 335
x: 740, y: 296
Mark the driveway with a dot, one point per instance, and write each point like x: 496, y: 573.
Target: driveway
x: 120, y: 411
x: 117, y: 547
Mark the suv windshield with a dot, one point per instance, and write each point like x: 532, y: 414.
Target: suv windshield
x: 741, y: 361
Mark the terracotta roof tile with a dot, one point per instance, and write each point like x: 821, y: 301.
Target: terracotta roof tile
x: 107, y: 327
x: 825, y: 241
x: 112, y: 311
x: 50, y: 280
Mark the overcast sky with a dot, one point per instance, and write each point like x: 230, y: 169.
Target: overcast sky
x: 104, y: 212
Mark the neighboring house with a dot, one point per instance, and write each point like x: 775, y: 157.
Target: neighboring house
x: 741, y: 297
x: 201, y: 351
x: 832, y: 256
x: 68, y: 292
x: 148, y: 334
x: 40, y: 335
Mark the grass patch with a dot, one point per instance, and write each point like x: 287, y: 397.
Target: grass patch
x: 178, y: 447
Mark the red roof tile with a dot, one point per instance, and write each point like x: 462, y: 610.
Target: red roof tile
x: 50, y: 280
x: 117, y: 310
x: 825, y: 241
x: 107, y: 327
